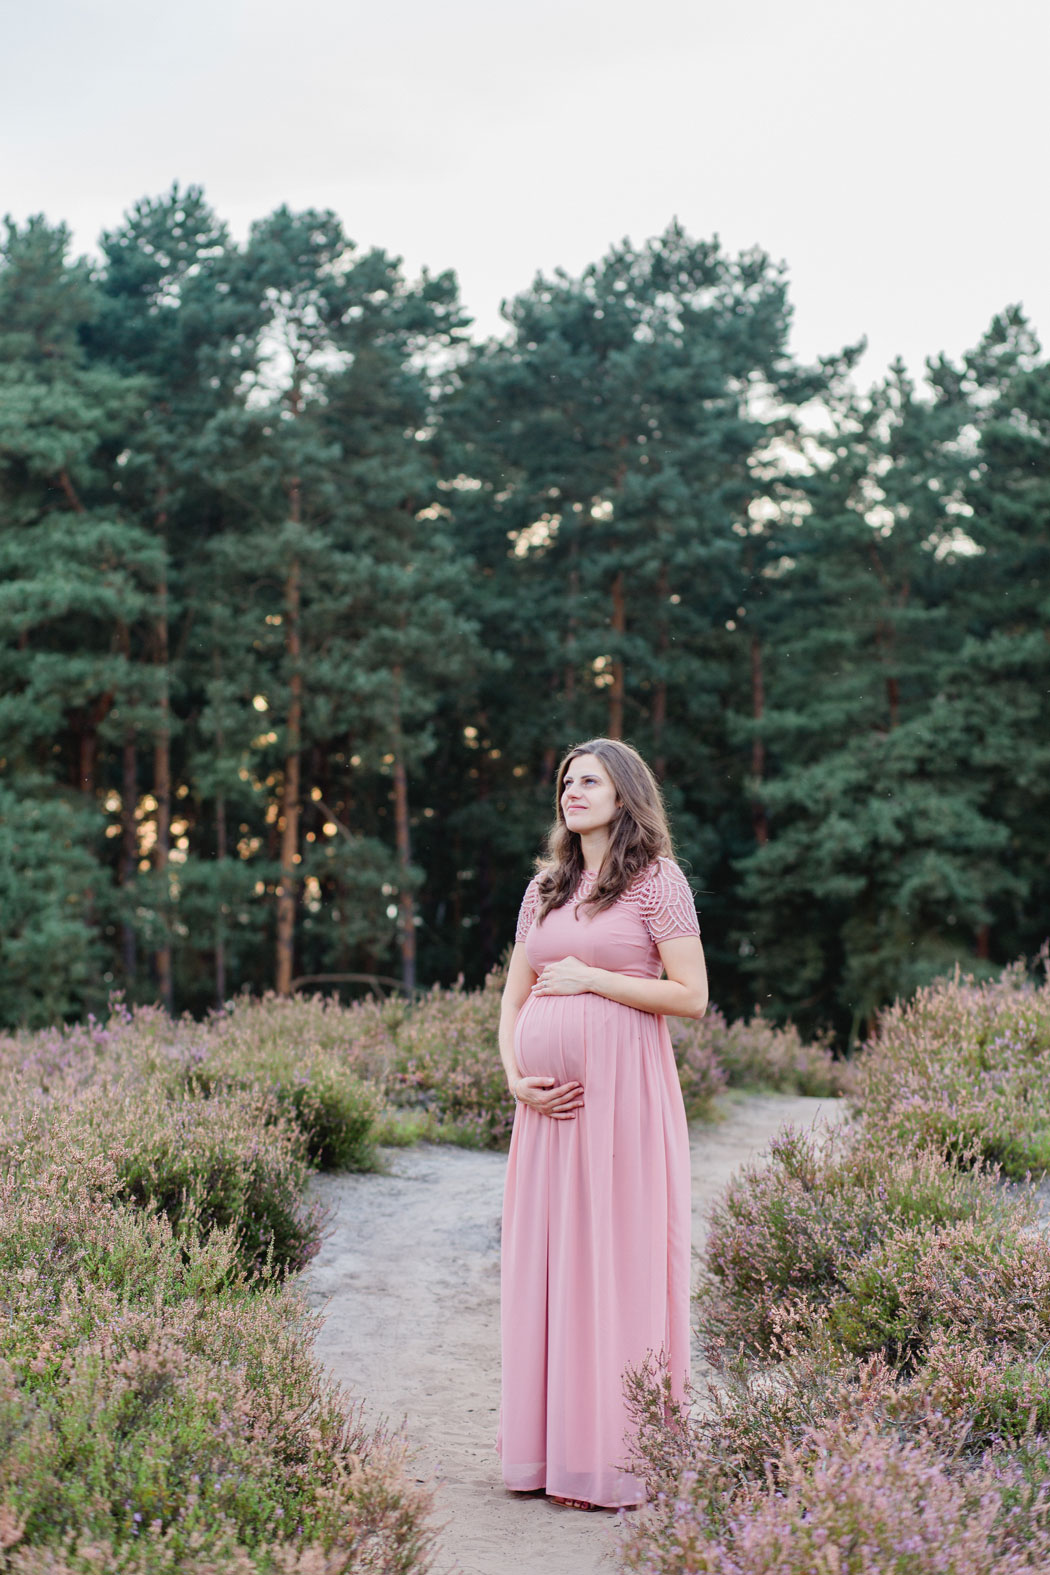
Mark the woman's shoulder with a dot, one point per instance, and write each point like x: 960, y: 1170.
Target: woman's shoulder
x: 540, y: 882
x: 666, y: 901
x: 663, y: 871
x: 534, y: 889
x: 527, y: 911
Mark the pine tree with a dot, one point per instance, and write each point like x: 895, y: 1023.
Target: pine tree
x: 606, y: 477
x: 878, y: 844
x: 75, y: 568
x: 178, y: 313
x: 348, y: 569
x: 995, y: 692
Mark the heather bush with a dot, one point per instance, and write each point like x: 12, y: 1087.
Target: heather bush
x: 207, y: 1163
x: 758, y: 1437
x: 996, y: 1394
x: 317, y: 1064
x: 851, y: 1500
x: 376, y: 1072
x: 742, y: 1427
x: 160, y: 1407
x: 191, y: 1423
x: 172, y: 1426
x: 736, y: 1427
x: 447, y: 1065
x: 699, y: 1073
x: 74, y: 1257
x: 897, y: 1299
x: 787, y: 1235
x: 975, y: 1285
x: 360, y: 1034
x: 755, y: 1054
x: 305, y: 1086
x: 963, y: 1066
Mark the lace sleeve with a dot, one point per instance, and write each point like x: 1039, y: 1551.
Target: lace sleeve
x: 667, y: 904
x: 529, y: 903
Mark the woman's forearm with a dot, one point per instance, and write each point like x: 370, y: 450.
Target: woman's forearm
x: 507, y: 1018
x: 663, y: 997
x: 520, y: 979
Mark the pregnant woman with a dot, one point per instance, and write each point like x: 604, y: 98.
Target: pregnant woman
x: 596, y: 1212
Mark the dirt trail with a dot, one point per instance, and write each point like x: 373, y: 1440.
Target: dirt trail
x: 408, y: 1278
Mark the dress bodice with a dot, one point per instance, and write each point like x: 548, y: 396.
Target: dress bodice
x: 624, y: 937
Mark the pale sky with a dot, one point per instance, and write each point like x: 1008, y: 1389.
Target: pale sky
x: 894, y: 155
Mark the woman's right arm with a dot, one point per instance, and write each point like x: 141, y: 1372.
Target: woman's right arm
x: 560, y: 1103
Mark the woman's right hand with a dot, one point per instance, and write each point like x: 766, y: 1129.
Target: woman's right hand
x: 560, y: 1103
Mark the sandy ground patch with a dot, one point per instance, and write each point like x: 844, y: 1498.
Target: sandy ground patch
x: 408, y: 1278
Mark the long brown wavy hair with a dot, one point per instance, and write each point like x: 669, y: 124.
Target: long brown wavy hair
x: 638, y: 835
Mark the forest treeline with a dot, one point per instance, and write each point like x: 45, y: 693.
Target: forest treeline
x: 304, y: 592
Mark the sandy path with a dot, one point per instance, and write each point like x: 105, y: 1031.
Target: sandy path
x: 409, y: 1280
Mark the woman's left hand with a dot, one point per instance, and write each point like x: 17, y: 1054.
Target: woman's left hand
x: 568, y: 976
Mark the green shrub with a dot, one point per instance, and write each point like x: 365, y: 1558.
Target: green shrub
x: 447, y: 1065
x: 145, y: 1437
x: 991, y: 1287
x: 756, y: 1054
x: 314, y: 1091
x: 898, y: 1302
x: 998, y: 1394
x: 854, y: 1499
x: 963, y: 1066
x: 208, y: 1163
x: 701, y: 1077
x: 738, y: 1425
x: 391, y: 1071
x: 787, y: 1235
x: 161, y: 1408
x: 257, y: 1030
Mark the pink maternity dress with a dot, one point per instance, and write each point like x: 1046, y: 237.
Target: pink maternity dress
x: 596, y: 1211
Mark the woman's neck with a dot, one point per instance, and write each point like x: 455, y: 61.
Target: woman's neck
x: 594, y: 845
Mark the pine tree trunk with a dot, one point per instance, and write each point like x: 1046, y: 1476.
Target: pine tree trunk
x: 658, y: 711
x: 406, y: 904
x: 69, y: 491
x: 287, y: 890
x: 162, y: 793
x: 403, y: 836
x: 128, y: 851
x: 220, y: 926
x: 87, y: 723
x: 487, y: 947
x: 569, y: 685
x: 893, y: 696
x: 220, y: 856
x: 129, y: 792
x: 759, y: 821
x: 616, y: 691
x: 88, y: 750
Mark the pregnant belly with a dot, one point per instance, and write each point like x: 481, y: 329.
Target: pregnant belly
x: 563, y: 1036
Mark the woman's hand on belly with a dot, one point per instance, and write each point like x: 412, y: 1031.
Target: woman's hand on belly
x: 560, y: 1101
x: 567, y: 976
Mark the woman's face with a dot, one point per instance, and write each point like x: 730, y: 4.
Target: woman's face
x: 588, y: 798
